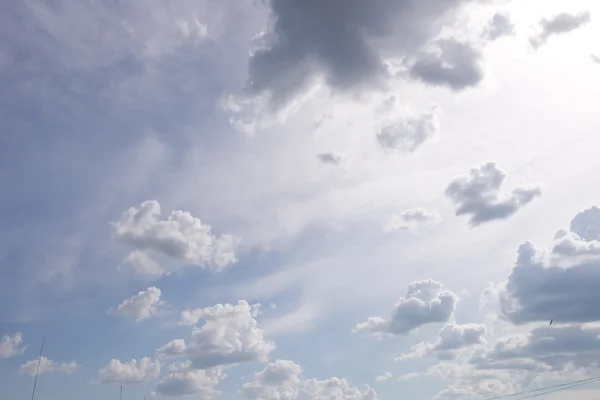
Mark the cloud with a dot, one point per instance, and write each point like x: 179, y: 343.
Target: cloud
x: 130, y: 373
x: 424, y: 303
x: 143, y: 264
x: 47, y: 365
x: 595, y: 58
x: 479, y: 195
x: 544, y: 349
x: 451, y: 338
x: 384, y: 377
x: 142, y: 305
x: 560, y: 283
x: 282, y: 379
x: 559, y: 24
x: 409, y: 219
x: 450, y: 63
x: 330, y: 157
x: 184, y: 383
x: 408, y: 134
x: 12, y: 345
x: 499, y: 26
x: 181, y: 237
x: 346, y: 43
x: 228, y: 336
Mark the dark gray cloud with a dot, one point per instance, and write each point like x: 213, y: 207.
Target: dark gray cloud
x: 424, y: 303
x: 330, y: 157
x: 561, y: 283
x: 408, y: 134
x: 544, y: 349
x: 559, y: 24
x: 453, y: 64
x: 344, y: 41
x: 479, y: 195
x: 499, y: 26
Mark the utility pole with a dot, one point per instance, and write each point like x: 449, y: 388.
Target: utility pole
x: 121, y: 395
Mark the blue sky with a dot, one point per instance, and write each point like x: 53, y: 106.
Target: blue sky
x: 299, y: 200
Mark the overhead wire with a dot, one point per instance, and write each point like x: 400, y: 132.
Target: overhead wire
x: 562, y: 388
x: 548, y: 389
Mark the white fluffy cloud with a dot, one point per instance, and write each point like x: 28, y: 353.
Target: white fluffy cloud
x: 560, y: 283
x: 409, y: 219
x: 130, y: 373
x: 386, y: 376
x: 349, y: 43
x: 47, y: 365
x: 228, y: 336
x: 479, y: 195
x: 407, y: 134
x: 142, y: 305
x: 188, y: 382
x: 181, y: 237
x: 12, y: 345
x: 451, y: 338
x: 424, y: 303
x: 559, y: 24
x: 282, y: 379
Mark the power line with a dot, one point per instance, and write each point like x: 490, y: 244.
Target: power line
x: 38, y: 368
x: 559, y: 387
x: 562, y: 388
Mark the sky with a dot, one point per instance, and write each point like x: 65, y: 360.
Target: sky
x: 299, y: 200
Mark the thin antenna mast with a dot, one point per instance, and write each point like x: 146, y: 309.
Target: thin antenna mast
x: 37, y: 372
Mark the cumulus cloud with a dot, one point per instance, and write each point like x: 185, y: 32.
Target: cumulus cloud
x: 559, y: 24
x: 282, y: 379
x: 184, y: 383
x: 499, y: 26
x: 47, y: 365
x: 544, y: 349
x: 129, y: 373
x: 479, y: 195
x: 142, y: 305
x: 408, y: 134
x: 12, y: 345
x: 330, y: 157
x: 451, y: 338
x: 409, y: 219
x: 424, y: 303
x: 450, y: 63
x: 228, y: 336
x: 180, y: 237
x: 384, y: 377
x: 560, y: 283
x: 347, y: 43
